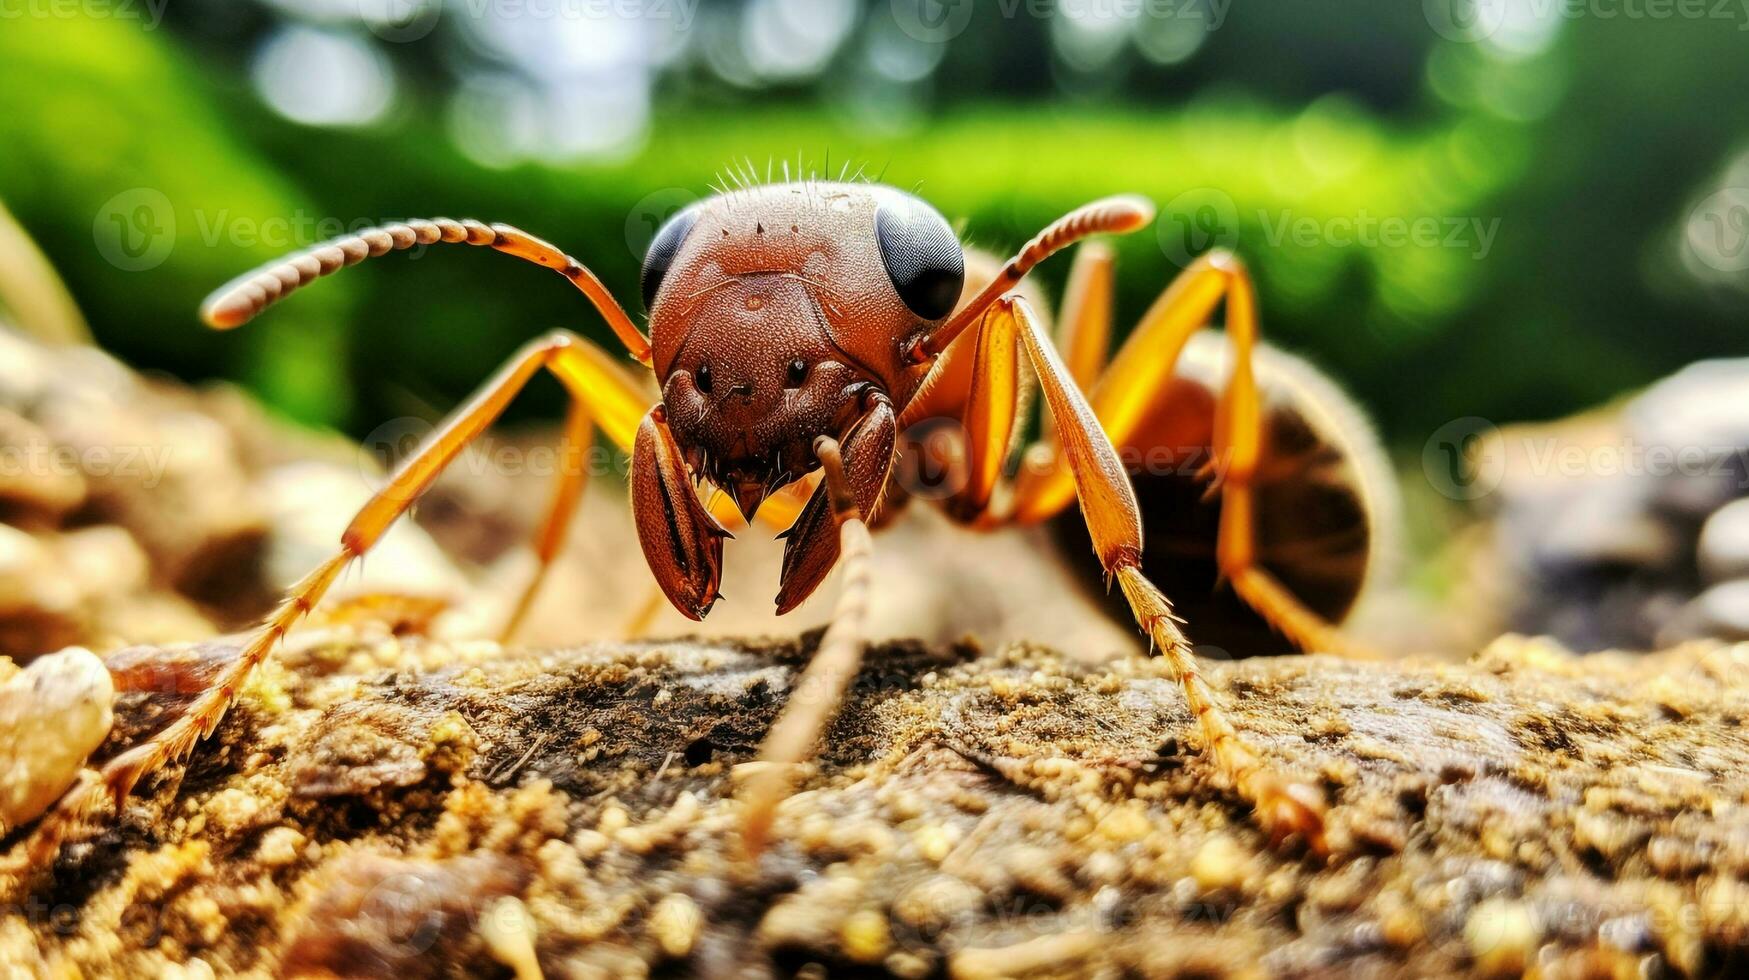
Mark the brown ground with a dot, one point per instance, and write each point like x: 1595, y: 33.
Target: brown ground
x: 420, y: 804
x: 376, y: 800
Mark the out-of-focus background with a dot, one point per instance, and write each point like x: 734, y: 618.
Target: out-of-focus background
x: 1495, y: 210
x: 1569, y: 156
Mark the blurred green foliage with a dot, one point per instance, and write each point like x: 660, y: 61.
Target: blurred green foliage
x: 109, y: 109
x: 1574, y: 297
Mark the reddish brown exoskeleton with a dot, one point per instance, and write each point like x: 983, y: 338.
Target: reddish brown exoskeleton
x: 795, y: 330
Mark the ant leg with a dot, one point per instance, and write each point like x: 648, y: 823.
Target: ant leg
x: 1122, y: 399
x: 591, y: 370
x: 568, y: 486
x: 567, y: 491
x: 973, y: 378
x: 1084, y: 321
x: 1108, y: 503
x: 591, y: 377
x: 1083, y: 328
x: 816, y: 695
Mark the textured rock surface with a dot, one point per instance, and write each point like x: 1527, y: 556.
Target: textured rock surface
x: 398, y: 806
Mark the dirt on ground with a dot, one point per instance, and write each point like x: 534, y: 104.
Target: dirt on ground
x: 383, y: 805
x: 392, y: 798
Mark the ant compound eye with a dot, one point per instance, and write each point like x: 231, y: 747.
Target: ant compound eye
x: 922, y: 255
x: 662, y: 250
x: 702, y: 378
x: 798, y: 372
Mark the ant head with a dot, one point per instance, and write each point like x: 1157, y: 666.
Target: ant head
x: 775, y: 310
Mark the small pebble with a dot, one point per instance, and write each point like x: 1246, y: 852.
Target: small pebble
x: 53, y: 714
x: 1219, y: 864
x: 934, y: 842
x: 1501, y: 935
x: 675, y: 922
x: 509, y: 933
x: 1724, y: 542
x: 1124, y: 824
x: 934, y: 903
x: 865, y: 936
x: 280, y: 847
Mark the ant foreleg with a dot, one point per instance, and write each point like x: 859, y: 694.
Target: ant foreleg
x: 815, y: 697
x: 610, y: 399
x: 1108, y: 504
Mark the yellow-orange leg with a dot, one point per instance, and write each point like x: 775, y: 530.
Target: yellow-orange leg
x: 1108, y: 504
x: 568, y: 486
x: 1084, y: 321
x: 591, y: 377
x: 1124, y: 393
x: 814, y: 699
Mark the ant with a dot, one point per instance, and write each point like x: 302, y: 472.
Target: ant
x: 796, y: 330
